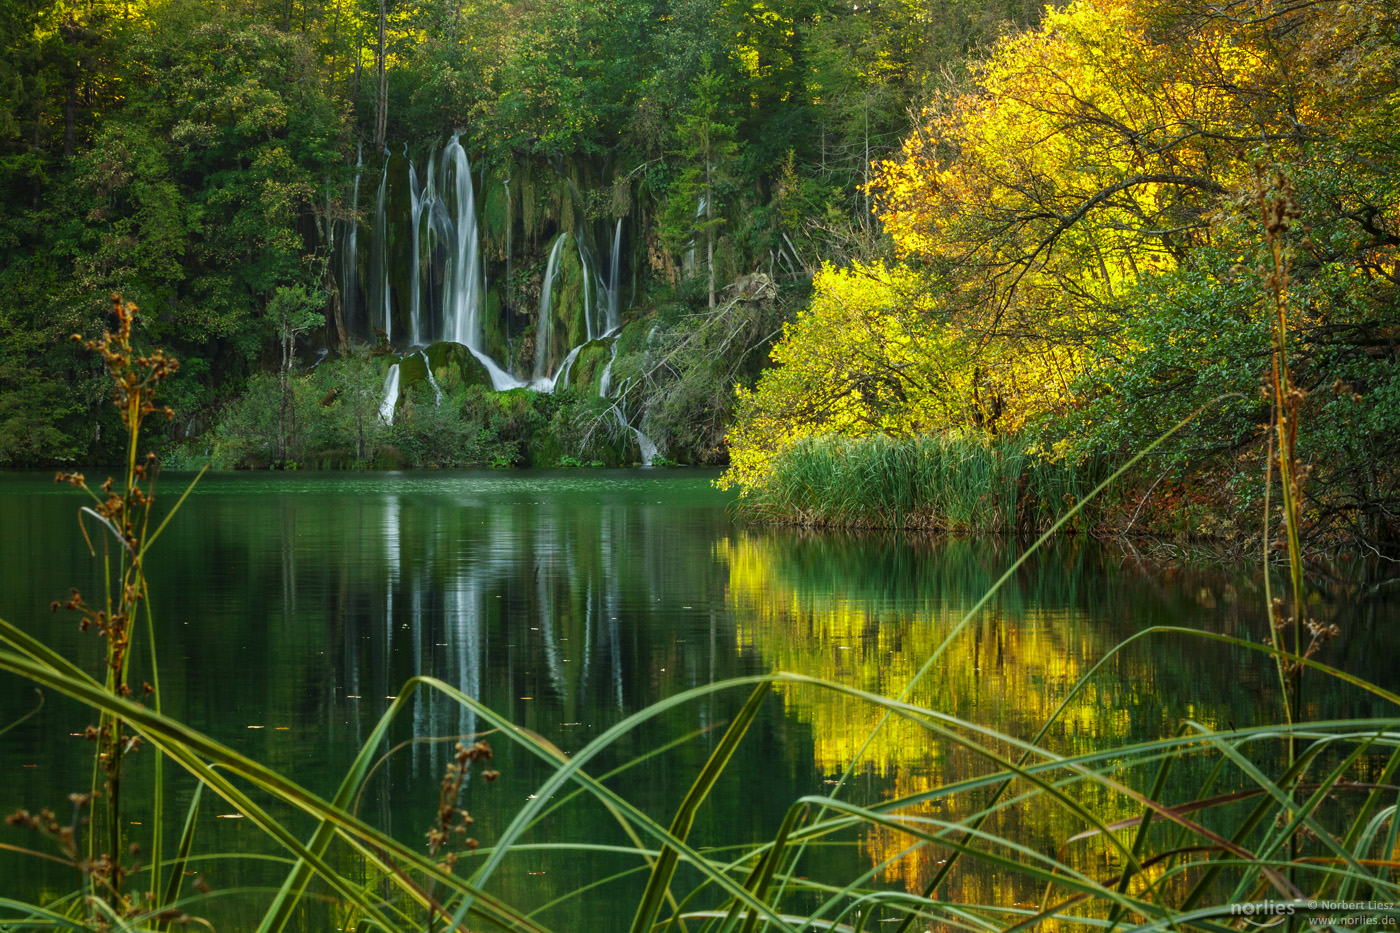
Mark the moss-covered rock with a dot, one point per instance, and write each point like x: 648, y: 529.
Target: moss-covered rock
x: 588, y: 366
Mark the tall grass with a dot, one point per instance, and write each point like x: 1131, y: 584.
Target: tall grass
x: 933, y: 483
x: 1287, y: 826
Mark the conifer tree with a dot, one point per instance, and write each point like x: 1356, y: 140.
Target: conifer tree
x: 707, y: 147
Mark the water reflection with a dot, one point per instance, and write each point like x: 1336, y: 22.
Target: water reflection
x: 868, y: 611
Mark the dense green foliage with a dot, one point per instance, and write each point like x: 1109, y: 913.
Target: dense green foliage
x: 196, y: 157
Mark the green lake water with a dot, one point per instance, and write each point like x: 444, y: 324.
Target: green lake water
x: 291, y: 607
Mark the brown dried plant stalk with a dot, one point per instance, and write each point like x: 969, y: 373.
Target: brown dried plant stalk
x: 122, y: 515
x: 1278, y: 208
x: 452, y: 820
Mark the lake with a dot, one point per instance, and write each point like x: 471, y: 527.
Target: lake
x: 290, y: 608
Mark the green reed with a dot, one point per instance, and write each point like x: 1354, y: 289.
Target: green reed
x: 934, y: 483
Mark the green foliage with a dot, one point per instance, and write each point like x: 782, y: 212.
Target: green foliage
x: 333, y: 421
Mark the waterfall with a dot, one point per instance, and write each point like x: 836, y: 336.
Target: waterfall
x: 589, y: 330
x: 462, y: 314
x: 427, y: 364
x: 605, y: 380
x: 644, y: 443
x: 379, y: 260
x: 415, y: 273
x: 432, y: 380
x: 545, y: 333
x: 614, y: 263
x: 510, y: 231
x: 446, y: 283
x: 391, y: 395
x: 561, y: 378
x: 349, y: 261
x: 440, y: 230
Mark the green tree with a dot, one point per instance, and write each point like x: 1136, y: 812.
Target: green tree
x: 706, y: 149
x: 295, y: 311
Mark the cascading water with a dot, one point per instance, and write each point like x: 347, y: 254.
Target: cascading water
x: 391, y: 395
x: 590, y: 330
x: 442, y: 240
x: 349, y: 260
x: 446, y: 285
x: 645, y: 444
x: 561, y: 378
x: 380, y: 315
x: 462, y: 314
x: 614, y: 264
x: 544, y: 333
x: 605, y: 380
x: 415, y: 272
x: 432, y: 380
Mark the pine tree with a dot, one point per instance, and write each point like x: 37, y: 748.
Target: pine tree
x: 707, y: 147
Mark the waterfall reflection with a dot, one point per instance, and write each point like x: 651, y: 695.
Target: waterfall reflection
x: 530, y: 601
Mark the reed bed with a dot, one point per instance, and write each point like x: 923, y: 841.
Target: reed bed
x: 932, y: 483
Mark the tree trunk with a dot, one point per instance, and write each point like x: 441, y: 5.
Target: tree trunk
x: 381, y: 104
x: 282, y: 414
x: 70, y: 103
x: 709, y: 228
x: 865, y: 215
x: 338, y: 312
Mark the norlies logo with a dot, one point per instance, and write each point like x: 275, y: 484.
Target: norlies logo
x: 1263, y: 914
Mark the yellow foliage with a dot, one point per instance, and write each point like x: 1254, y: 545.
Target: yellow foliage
x: 871, y: 356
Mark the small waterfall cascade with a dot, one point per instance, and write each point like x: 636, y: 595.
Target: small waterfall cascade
x: 349, y: 251
x: 644, y: 443
x: 415, y: 278
x: 614, y: 310
x: 544, y: 333
x: 391, y: 395
x: 432, y: 380
x: 380, y: 311
x: 561, y: 378
x: 590, y: 327
x: 462, y: 310
x: 605, y: 380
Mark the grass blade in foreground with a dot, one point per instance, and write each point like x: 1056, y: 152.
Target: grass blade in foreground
x: 665, y: 868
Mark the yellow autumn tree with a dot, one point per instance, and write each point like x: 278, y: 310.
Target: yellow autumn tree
x: 1006, y: 277
x: 1036, y: 214
x: 864, y: 358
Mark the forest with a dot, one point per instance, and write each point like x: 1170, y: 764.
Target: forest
x: 768, y: 236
